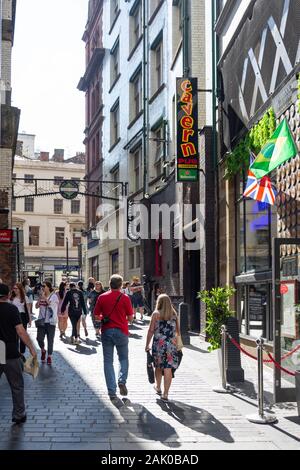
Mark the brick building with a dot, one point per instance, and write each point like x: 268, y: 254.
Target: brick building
x: 8, y: 137
x: 91, y: 84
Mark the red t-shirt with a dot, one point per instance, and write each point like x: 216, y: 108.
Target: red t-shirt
x: 119, y: 317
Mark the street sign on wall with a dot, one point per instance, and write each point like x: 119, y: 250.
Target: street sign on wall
x: 187, y: 130
x: 6, y: 236
x: 69, y: 189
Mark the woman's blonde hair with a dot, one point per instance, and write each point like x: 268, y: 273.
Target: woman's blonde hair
x: 165, y: 308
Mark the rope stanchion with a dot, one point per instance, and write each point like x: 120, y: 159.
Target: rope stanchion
x: 261, y: 417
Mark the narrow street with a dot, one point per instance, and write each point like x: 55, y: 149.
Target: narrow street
x: 68, y: 407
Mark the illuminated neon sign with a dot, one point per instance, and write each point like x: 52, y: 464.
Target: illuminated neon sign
x: 187, y: 130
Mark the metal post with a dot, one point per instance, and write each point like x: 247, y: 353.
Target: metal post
x: 261, y: 417
x: 18, y: 255
x: 67, y: 255
x: 225, y: 387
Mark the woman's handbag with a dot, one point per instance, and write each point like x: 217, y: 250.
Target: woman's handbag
x: 179, y: 343
x: 40, y: 323
x: 150, y: 368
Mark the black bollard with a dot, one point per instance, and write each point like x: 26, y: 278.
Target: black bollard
x: 184, y: 323
x: 234, y: 372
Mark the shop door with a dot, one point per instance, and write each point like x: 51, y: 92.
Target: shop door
x: 286, y: 308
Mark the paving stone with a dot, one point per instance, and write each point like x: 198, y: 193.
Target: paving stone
x: 68, y: 408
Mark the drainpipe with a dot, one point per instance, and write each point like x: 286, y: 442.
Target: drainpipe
x: 145, y: 96
x: 214, y: 139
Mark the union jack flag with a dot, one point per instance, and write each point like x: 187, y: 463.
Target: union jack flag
x: 260, y: 190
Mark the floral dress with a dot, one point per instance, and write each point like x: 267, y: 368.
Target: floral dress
x: 164, y: 349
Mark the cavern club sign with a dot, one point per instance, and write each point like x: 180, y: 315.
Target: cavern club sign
x: 187, y: 130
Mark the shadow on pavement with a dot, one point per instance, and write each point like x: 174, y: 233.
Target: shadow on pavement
x: 248, y: 390
x: 135, y: 336
x: 194, y: 348
x: 197, y: 419
x: 150, y: 426
x: 80, y: 349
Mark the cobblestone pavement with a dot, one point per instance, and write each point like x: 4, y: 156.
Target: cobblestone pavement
x: 68, y: 406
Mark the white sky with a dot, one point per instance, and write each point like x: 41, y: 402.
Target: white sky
x: 48, y: 61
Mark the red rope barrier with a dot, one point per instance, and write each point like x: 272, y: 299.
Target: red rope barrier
x: 280, y: 367
x: 290, y: 353
x: 236, y: 344
x: 254, y: 357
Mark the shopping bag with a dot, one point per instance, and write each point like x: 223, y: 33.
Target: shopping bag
x: 31, y: 367
x: 150, y: 368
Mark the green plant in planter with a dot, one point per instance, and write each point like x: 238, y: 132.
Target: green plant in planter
x: 217, y: 312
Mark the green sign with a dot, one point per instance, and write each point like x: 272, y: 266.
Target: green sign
x: 69, y: 189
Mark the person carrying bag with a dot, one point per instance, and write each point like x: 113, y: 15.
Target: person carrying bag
x: 46, y: 322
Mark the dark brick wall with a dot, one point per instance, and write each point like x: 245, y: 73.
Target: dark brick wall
x: 207, y: 198
x: 7, y: 251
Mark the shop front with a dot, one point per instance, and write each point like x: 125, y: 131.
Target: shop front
x: 260, y: 77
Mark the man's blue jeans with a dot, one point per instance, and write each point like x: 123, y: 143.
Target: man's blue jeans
x: 111, y: 338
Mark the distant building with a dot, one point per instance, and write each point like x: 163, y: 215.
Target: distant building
x: 49, y: 223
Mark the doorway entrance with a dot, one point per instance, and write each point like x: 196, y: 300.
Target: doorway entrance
x: 286, y: 308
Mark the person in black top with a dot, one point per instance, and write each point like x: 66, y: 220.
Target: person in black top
x: 75, y: 300
x: 11, y: 329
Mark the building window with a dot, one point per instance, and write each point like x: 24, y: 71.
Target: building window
x: 115, y: 62
x: 256, y: 226
x: 76, y: 238
x: 59, y: 236
x: 131, y: 258
x: 114, y: 262
x: 136, y: 94
x: 136, y: 24
x: 157, y: 63
x: 28, y: 179
x: 115, y: 189
x: 177, y: 26
x: 58, y: 180
x: 58, y: 206
x: 159, y: 148
x: 136, y: 169
x: 34, y: 236
x: 114, y: 5
x: 29, y: 204
x: 13, y: 204
x: 138, y: 257
x: 94, y: 267
x: 75, y: 207
x: 115, y: 123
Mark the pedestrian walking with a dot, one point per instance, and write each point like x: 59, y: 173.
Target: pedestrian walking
x: 76, y: 306
x: 21, y: 301
x: 11, y: 330
x: 137, y: 297
x: 92, y: 298
x: 164, y: 329
x: 47, y: 320
x: 29, y: 294
x: 114, y: 310
x: 62, y: 318
x: 83, y: 316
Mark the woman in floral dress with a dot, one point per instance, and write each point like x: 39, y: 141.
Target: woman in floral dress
x: 164, y: 328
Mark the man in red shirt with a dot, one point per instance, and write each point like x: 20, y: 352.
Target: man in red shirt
x: 114, y: 310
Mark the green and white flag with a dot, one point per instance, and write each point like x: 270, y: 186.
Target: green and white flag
x: 280, y: 148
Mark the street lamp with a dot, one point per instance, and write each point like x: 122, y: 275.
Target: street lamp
x: 67, y: 253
